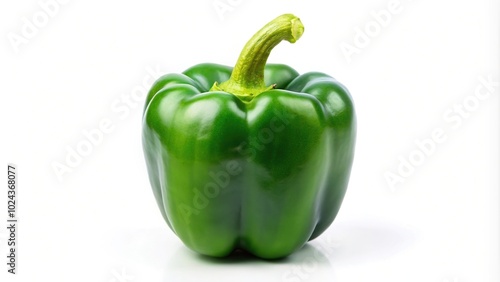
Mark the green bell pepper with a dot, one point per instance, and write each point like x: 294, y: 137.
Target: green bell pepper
x: 259, y: 162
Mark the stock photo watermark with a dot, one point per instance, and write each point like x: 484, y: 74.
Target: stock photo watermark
x: 222, y: 178
x: 31, y: 26
x: 222, y: 7
x: 12, y: 218
x: 121, y: 276
x: 305, y: 269
x: 454, y: 117
x: 120, y: 109
x: 363, y: 36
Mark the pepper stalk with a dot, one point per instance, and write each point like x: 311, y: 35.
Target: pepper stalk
x: 247, y: 78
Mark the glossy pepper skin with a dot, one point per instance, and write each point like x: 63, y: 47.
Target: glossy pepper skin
x: 263, y: 170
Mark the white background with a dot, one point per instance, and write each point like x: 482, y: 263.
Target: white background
x: 101, y: 223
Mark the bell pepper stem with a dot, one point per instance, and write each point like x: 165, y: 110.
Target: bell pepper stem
x: 247, y: 78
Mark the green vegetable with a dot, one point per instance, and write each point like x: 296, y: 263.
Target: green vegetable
x: 259, y: 162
